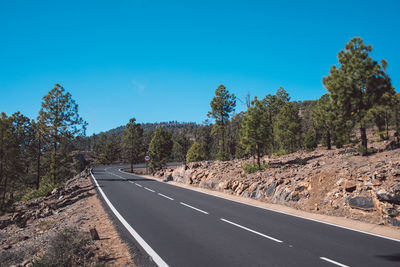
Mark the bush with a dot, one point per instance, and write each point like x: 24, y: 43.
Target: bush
x: 281, y: 152
x: 41, y: 192
x: 22, y: 222
x: 362, y: 151
x: 309, y: 142
x: 68, y: 248
x: 253, y: 167
x: 195, y: 153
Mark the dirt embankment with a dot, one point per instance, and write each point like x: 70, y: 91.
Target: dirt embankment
x: 26, y: 234
x: 336, y: 182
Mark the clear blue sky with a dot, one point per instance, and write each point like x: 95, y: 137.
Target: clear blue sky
x: 163, y: 60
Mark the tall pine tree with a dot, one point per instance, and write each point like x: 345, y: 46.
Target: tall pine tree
x: 222, y: 106
x: 357, y: 83
x: 61, y: 123
x: 132, y: 142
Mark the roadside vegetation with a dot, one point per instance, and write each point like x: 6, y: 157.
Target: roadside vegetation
x: 37, y: 154
x: 359, y: 97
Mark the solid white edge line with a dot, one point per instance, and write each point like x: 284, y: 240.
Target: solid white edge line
x: 334, y: 262
x: 202, y: 211
x: 156, y: 258
x: 148, y: 189
x: 170, y: 198
x: 250, y: 230
x: 282, y: 212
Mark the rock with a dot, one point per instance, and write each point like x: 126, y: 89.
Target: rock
x: 94, y: 234
x: 363, y: 203
x: 259, y: 194
x: 26, y: 263
x: 350, y: 186
x: 391, y: 212
x: 7, y: 247
x: 245, y: 194
x: 54, y: 191
x: 281, y: 196
x: 271, y: 189
x: 392, y: 197
x: 295, y: 197
x: 168, y: 178
x: 394, y: 222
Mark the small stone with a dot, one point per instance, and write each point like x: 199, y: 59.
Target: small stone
x: 350, y: 186
x: 94, y: 234
x: 7, y: 247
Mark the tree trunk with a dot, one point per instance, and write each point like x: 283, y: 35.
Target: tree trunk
x: 4, y: 194
x: 387, y: 127
x: 38, y: 166
x: 223, y: 142
x: 258, y: 156
x: 131, y: 166
x: 328, y: 140
x: 1, y: 156
x: 380, y: 130
x: 54, y: 163
x: 364, y: 138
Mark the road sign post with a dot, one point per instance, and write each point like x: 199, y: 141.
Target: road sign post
x: 147, y: 159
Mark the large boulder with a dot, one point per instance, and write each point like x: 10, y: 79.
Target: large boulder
x: 362, y: 203
x: 182, y: 175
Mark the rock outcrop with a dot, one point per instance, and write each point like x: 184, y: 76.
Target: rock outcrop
x: 336, y: 182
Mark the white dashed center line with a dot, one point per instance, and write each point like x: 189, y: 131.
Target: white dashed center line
x: 170, y: 198
x: 250, y: 230
x: 334, y: 262
x: 138, y: 184
x: 199, y: 210
x: 148, y: 189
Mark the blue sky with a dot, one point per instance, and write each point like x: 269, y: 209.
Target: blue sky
x: 163, y: 60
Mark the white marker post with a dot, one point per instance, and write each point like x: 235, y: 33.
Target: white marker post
x: 147, y: 158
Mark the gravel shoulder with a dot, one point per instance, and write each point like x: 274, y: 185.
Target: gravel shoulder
x: 75, y: 205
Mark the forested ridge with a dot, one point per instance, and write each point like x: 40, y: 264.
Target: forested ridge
x: 38, y: 154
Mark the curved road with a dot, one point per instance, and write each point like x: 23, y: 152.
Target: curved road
x: 181, y: 227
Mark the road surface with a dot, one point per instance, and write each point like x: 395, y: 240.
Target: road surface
x: 182, y: 227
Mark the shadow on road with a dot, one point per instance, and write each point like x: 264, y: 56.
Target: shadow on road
x: 392, y: 257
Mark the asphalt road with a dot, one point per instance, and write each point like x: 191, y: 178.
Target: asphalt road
x: 182, y: 227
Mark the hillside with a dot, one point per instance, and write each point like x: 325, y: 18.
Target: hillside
x: 56, y: 229
x: 336, y: 182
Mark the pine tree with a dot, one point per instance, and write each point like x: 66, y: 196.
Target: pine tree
x: 273, y: 104
x: 357, y: 83
x: 287, y: 128
x: 160, y: 149
x: 180, y: 147
x: 195, y: 153
x: 61, y: 122
x: 324, y: 116
x: 255, y: 133
x: 132, y: 142
x: 381, y: 114
x: 222, y: 106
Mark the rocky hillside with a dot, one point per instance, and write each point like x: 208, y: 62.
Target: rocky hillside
x: 335, y: 182
x: 49, y: 223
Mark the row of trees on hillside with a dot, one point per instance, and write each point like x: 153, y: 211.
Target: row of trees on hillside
x: 359, y: 96
x: 36, y: 154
